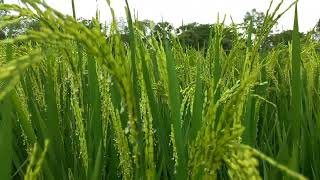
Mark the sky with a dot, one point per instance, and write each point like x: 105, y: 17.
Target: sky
x: 187, y: 11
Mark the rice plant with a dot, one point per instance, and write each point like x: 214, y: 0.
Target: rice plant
x: 75, y: 104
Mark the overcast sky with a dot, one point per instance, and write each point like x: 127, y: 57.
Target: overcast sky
x: 202, y: 11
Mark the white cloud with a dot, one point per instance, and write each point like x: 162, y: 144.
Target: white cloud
x: 202, y: 11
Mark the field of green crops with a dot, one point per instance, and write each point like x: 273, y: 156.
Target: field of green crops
x: 77, y: 105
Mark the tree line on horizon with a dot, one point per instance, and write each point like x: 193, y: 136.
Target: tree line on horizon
x: 194, y: 35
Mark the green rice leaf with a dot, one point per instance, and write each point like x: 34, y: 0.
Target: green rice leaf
x: 6, y: 138
x: 175, y: 105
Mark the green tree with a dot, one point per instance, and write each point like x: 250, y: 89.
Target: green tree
x: 194, y: 35
x: 283, y: 38
x: 318, y: 26
x: 146, y: 26
x: 316, y: 31
x: 2, y: 13
x: 163, y: 29
x: 197, y: 36
x: 257, y: 19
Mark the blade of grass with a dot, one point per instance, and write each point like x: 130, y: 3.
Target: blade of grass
x: 136, y: 93
x: 175, y: 104
x: 6, y: 133
x: 250, y: 124
x: 154, y: 107
x: 96, y: 174
x: 23, y: 117
x: 296, y: 107
x: 52, y: 114
x: 196, y: 123
x: 6, y: 136
x: 296, y: 76
x: 94, y: 119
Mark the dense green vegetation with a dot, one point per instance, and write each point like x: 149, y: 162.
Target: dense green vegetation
x: 80, y: 101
